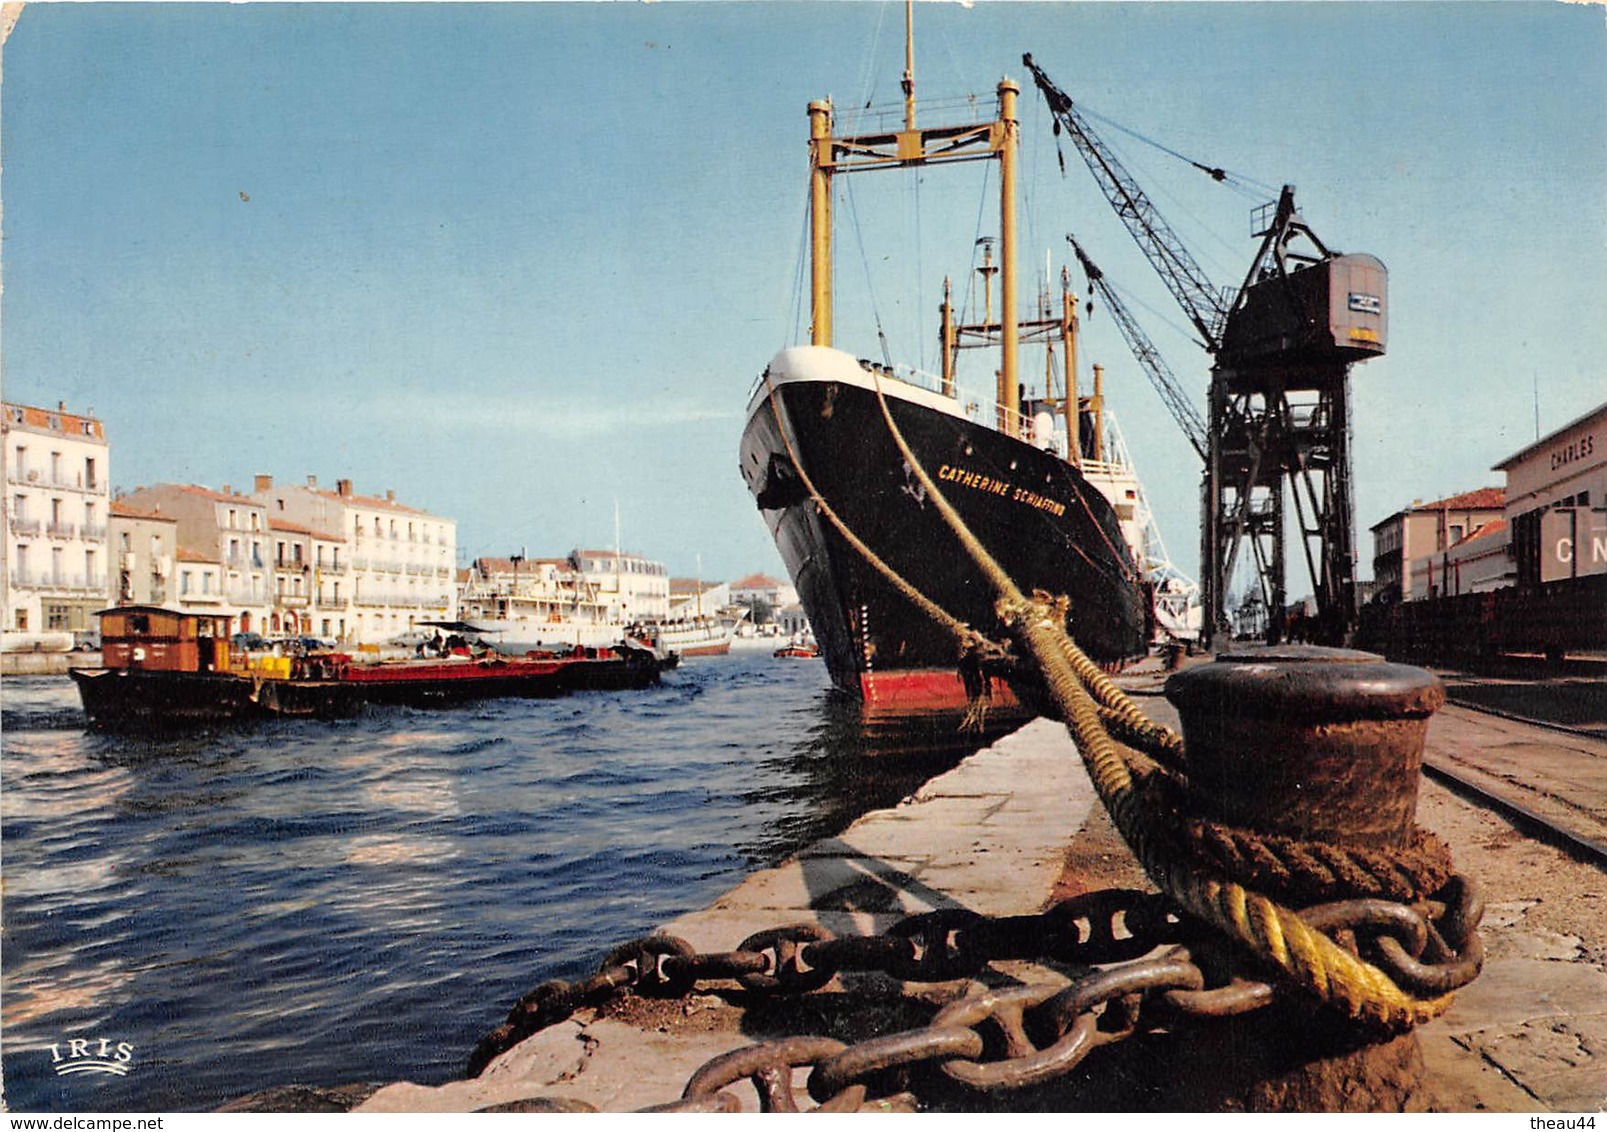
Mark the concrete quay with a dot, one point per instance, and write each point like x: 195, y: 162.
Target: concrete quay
x: 1011, y: 829
x: 46, y: 663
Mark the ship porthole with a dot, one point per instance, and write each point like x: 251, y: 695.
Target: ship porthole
x: 1012, y: 465
x: 966, y: 448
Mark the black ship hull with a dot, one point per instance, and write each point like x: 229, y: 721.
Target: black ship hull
x: 1042, y: 521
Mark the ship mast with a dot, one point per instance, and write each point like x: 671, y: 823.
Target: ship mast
x: 912, y: 146
x: 1071, y: 407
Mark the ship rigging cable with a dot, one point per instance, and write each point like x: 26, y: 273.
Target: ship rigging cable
x: 1247, y: 187
x: 870, y: 284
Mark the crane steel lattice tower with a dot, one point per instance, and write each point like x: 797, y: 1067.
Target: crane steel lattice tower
x: 1279, y: 394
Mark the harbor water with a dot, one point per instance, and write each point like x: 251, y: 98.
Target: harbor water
x: 359, y: 901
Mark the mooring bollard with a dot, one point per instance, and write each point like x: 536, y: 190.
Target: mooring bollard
x: 1315, y: 743
x: 1322, y: 745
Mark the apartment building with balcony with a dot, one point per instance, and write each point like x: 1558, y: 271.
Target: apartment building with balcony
x: 398, y: 562
x: 56, y: 505
x: 143, y: 547
x: 200, y: 582
x: 627, y: 586
x: 312, y: 585
x: 756, y: 588
x: 223, y: 529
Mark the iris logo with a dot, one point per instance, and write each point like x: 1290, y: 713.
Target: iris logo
x: 91, y: 1055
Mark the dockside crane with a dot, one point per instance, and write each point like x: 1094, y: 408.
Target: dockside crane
x: 1149, y: 358
x: 1282, y: 346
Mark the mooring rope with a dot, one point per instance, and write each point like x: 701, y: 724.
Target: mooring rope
x: 1091, y: 705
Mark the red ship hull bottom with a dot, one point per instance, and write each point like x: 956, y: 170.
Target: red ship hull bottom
x: 916, y: 690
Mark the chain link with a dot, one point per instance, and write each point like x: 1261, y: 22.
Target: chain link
x: 1427, y: 948
x: 1009, y: 1038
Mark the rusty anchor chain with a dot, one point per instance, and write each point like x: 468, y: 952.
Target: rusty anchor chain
x: 798, y: 958
x: 1152, y: 966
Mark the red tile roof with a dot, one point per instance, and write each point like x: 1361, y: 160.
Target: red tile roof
x: 365, y: 501
x: 1485, y: 530
x: 120, y: 510
x: 208, y: 493
x: 1484, y: 499
x: 298, y: 529
x: 56, y: 420
x: 756, y: 582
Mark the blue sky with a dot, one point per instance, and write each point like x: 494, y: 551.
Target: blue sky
x: 517, y: 262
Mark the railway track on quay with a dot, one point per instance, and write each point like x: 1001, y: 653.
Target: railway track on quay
x: 1547, y: 777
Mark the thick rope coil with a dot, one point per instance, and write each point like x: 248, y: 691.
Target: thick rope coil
x: 1117, y: 709
x: 1295, y: 871
x: 1276, y: 934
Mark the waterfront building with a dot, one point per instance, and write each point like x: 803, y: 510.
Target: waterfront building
x: 628, y: 586
x: 200, y: 582
x: 1480, y: 562
x: 312, y: 595
x: 1556, y: 502
x: 56, y: 504
x: 1426, y: 529
x: 397, y: 564
x: 225, y: 530
x: 763, y: 588
x: 1549, y: 523
x: 791, y: 620
x: 144, y: 545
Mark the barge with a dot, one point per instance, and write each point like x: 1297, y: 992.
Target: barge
x: 164, y: 668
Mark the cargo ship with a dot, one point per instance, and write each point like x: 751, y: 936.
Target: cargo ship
x: 1022, y: 476
x: 169, y: 669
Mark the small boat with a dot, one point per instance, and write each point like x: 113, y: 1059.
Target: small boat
x: 164, y: 668
x: 804, y: 650
x: 696, y: 636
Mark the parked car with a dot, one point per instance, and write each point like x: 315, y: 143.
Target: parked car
x: 297, y: 646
